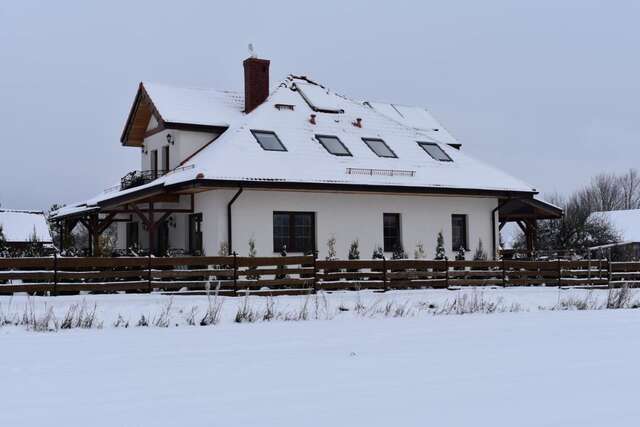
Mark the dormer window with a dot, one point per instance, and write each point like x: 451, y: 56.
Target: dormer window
x: 333, y: 145
x: 435, y: 151
x: 268, y: 140
x: 379, y: 147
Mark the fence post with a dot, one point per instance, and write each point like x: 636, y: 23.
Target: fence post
x: 235, y: 271
x: 149, y: 271
x: 610, y: 284
x: 504, y: 274
x: 559, y: 272
x: 446, y: 272
x: 384, y: 273
x: 315, y: 271
x: 55, y: 274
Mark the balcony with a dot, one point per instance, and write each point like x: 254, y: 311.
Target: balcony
x: 138, y: 178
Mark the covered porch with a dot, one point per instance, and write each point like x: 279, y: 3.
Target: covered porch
x: 526, y: 212
x: 147, y: 216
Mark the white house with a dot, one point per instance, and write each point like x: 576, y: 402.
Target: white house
x: 295, y: 165
x: 21, y: 228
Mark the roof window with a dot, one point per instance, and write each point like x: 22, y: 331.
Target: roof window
x: 379, y: 147
x: 268, y: 140
x: 333, y: 145
x: 435, y: 151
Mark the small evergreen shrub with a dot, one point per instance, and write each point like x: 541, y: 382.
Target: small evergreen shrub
x: 354, y: 251
x: 252, y: 254
x: 419, y: 252
x: 480, y: 254
x: 224, y: 249
x: 331, y: 249
x: 378, y: 253
x: 441, y: 253
x: 398, y: 252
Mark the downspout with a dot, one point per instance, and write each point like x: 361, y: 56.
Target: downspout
x: 229, y: 233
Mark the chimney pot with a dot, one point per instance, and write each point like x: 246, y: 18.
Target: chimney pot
x: 358, y: 123
x: 256, y: 82
x: 312, y: 119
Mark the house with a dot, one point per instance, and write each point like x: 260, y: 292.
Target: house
x: 22, y: 229
x: 294, y: 165
x: 627, y: 224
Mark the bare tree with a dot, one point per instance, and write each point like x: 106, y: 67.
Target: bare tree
x: 577, y: 229
x: 629, y: 184
x: 602, y: 194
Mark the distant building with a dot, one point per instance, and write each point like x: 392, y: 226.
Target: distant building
x: 22, y: 228
x: 627, y: 224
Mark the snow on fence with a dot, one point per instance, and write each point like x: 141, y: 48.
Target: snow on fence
x: 234, y: 275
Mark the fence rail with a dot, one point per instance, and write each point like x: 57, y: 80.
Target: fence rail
x: 234, y: 275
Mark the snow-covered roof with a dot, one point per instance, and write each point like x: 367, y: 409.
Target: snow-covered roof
x: 237, y: 156
x: 195, y: 105
x: 20, y: 226
x: 626, y: 222
x: 415, y: 117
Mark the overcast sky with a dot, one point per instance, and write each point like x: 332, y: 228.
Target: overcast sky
x: 550, y: 92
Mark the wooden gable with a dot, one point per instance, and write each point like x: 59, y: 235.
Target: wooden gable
x: 137, y: 126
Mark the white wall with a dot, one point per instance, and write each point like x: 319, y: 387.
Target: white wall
x: 347, y: 216
x: 186, y: 143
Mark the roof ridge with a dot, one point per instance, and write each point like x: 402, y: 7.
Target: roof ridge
x: 202, y: 88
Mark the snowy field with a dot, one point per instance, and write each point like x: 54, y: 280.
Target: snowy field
x: 354, y: 362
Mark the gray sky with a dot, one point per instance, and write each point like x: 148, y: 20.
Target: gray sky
x: 548, y: 91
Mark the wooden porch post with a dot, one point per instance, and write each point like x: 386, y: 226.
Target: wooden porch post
x: 151, y: 227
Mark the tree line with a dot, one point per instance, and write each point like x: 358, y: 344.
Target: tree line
x: 578, y: 229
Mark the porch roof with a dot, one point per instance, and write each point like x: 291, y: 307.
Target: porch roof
x: 520, y: 209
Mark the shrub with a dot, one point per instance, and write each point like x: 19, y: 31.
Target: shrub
x: 419, y: 253
x: 398, y: 252
x: 441, y: 253
x: 354, y: 251
x: 224, y: 249
x: 460, y: 255
x: 252, y: 254
x: 378, y: 253
x: 331, y: 248
x: 480, y: 254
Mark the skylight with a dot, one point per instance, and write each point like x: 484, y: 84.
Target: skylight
x: 435, y: 151
x: 379, y: 147
x: 333, y: 145
x: 268, y: 140
x: 319, y: 98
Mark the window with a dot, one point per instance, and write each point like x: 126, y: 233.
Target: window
x: 154, y: 163
x: 195, y: 234
x: 391, y: 230
x: 166, y: 165
x: 379, y: 147
x: 295, y: 230
x: 268, y: 140
x: 333, y: 145
x: 459, y: 232
x: 435, y: 151
x: 132, y: 234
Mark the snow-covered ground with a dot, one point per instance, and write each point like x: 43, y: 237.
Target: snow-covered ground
x: 528, y: 367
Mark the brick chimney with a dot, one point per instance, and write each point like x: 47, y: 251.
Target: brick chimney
x: 256, y: 82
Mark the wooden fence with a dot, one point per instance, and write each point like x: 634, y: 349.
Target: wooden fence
x: 234, y: 275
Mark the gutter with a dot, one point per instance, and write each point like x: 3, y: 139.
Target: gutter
x: 229, y: 224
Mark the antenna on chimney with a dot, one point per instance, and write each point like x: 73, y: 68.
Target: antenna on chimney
x: 252, y: 52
